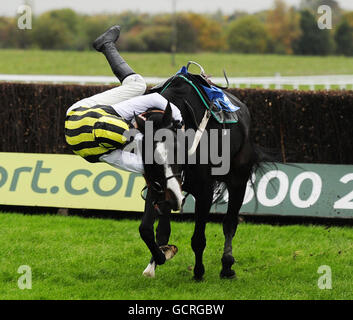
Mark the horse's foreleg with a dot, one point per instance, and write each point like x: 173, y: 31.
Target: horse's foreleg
x: 162, y: 236
x: 198, y: 240
x: 163, y: 228
x: 230, y: 224
x: 147, y: 231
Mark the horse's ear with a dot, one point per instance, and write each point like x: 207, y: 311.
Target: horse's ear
x: 168, y: 116
x: 140, y: 123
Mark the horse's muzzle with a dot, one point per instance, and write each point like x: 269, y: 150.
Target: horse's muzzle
x: 174, y: 201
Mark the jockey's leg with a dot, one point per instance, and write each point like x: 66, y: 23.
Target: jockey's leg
x: 105, y: 43
x: 132, y: 84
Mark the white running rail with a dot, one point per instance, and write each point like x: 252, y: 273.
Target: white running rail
x: 278, y: 82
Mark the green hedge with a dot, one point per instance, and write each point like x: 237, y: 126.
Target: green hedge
x: 306, y: 126
x: 303, y: 126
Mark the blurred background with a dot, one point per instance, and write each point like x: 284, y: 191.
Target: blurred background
x: 247, y: 38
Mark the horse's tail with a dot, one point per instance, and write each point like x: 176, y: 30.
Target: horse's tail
x: 269, y: 158
x: 263, y: 160
x: 264, y: 157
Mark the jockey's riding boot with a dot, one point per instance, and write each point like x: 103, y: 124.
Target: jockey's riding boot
x: 105, y: 44
x: 111, y: 35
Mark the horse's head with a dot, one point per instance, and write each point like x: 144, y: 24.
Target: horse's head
x: 160, y: 149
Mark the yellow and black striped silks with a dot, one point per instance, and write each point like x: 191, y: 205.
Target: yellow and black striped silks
x: 94, y: 131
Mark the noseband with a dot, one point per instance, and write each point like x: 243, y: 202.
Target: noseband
x: 156, y: 186
x: 160, y: 190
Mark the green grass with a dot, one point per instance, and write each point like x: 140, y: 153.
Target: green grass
x: 77, y: 258
x: 159, y: 64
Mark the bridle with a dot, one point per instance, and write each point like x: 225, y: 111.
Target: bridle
x: 149, y: 112
x: 143, y: 115
x: 159, y: 190
x: 154, y: 185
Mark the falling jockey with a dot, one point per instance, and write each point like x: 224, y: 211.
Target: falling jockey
x: 96, y: 127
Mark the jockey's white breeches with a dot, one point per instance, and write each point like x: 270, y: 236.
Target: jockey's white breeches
x: 132, y: 86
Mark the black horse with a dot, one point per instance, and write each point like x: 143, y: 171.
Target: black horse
x: 166, y: 179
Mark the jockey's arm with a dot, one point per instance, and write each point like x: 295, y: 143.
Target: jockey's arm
x: 137, y: 105
x: 127, y: 109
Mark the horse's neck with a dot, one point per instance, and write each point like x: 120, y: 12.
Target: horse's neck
x: 191, y: 111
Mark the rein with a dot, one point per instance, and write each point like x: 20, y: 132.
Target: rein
x: 155, y: 185
x: 143, y: 115
x: 160, y: 191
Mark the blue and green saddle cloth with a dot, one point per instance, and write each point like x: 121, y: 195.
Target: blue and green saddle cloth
x: 215, y: 95
x: 222, y: 105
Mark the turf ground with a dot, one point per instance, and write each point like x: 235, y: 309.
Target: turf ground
x: 159, y: 64
x: 77, y: 258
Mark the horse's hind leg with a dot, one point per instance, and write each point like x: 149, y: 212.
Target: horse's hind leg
x: 230, y: 223
x: 198, y: 240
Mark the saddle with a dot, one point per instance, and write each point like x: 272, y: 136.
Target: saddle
x: 213, y: 98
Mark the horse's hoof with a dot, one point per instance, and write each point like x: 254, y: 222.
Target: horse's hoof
x: 150, y: 271
x: 199, y: 271
x: 198, y: 278
x: 169, y: 251
x: 229, y: 274
x: 227, y: 261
